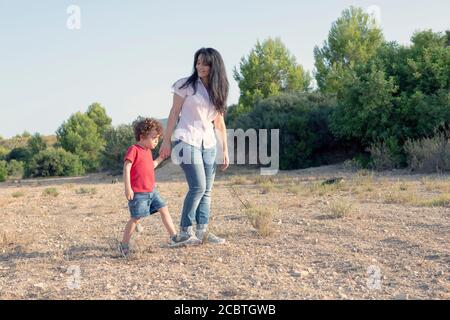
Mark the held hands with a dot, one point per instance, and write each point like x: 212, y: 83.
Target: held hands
x: 165, y: 150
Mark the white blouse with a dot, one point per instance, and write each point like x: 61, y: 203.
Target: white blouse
x: 195, y: 125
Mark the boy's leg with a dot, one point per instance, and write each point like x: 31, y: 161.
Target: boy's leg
x: 129, y: 229
x: 167, y: 221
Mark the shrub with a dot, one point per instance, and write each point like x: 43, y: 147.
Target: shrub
x: 302, y: 119
x: 340, y: 209
x: 385, y: 155
x: 86, y: 191
x: 261, y: 219
x: 54, y: 162
x: 19, y: 154
x: 429, y: 154
x: 3, y: 153
x: 51, y: 192
x: 15, y: 169
x: 3, y: 171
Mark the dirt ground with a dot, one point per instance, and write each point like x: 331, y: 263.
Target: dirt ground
x: 371, y: 236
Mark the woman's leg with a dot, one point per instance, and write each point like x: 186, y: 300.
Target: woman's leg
x: 204, y: 207
x: 196, y: 179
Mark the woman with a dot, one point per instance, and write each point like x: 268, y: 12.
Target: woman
x: 199, y: 102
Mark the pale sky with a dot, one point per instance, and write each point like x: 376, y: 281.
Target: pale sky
x: 127, y: 54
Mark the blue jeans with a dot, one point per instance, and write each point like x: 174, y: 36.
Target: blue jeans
x: 199, y: 166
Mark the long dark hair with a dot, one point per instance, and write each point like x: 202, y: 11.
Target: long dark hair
x: 217, y: 79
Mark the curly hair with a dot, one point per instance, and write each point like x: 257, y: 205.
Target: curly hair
x: 144, y: 126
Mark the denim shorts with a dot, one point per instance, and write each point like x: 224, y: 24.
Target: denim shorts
x: 145, y: 204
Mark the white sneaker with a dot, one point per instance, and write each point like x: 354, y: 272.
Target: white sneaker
x: 208, y: 237
x: 184, y: 239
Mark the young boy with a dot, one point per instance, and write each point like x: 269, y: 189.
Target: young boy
x: 139, y: 179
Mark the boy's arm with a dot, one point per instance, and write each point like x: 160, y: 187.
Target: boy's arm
x: 129, y: 194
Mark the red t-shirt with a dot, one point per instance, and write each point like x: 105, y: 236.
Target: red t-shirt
x: 142, y: 174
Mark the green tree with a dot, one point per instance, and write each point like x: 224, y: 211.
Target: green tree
x: 36, y: 144
x: 269, y: 70
x: 118, y: 140
x: 365, y: 105
x: 353, y: 38
x: 400, y: 93
x: 98, y: 114
x: 79, y: 135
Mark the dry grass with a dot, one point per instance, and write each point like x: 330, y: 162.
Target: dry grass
x: 18, y: 194
x: 408, y: 197
x: 264, y: 179
x: 436, y: 185
x: 86, y: 191
x: 51, y: 192
x: 341, y: 208
x: 295, y: 189
x: 261, y: 219
x: 439, y: 201
x: 267, y: 187
x: 238, y: 180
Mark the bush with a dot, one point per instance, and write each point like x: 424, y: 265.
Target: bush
x: 386, y: 155
x: 303, y: 120
x: 51, y: 192
x: 54, y: 162
x: 15, y: 169
x: 3, y: 171
x: 261, y: 219
x: 3, y: 153
x: 19, y: 154
x: 429, y: 154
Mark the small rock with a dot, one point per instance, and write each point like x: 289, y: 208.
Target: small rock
x: 296, y: 273
x: 40, y: 285
x: 304, y: 274
x: 220, y: 260
x: 401, y: 296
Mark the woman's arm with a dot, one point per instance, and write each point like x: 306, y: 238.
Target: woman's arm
x: 219, y: 123
x: 165, y: 149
